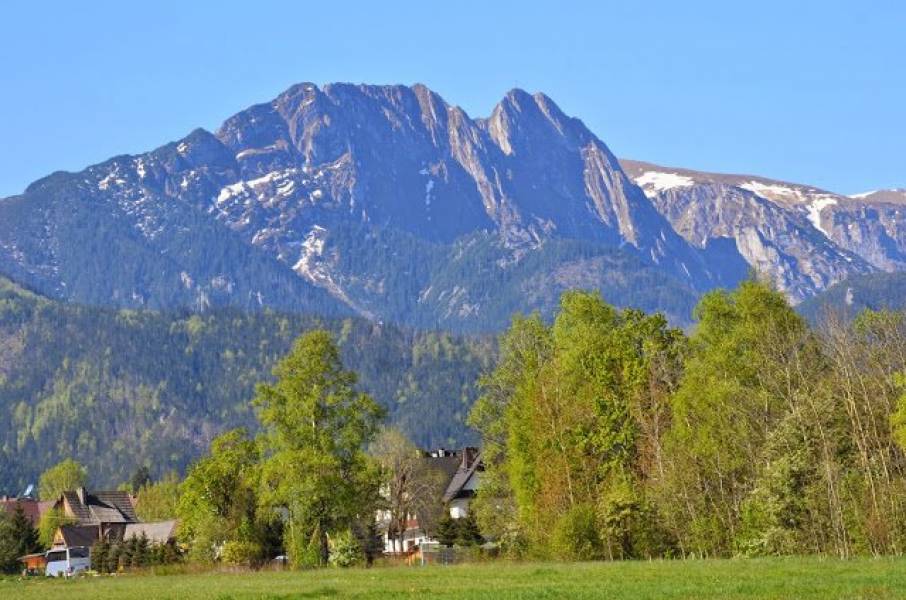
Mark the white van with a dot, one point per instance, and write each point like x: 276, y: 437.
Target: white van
x: 67, y: 562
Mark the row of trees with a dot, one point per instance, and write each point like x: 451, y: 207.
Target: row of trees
x: 609, y: 434
x: 134, y: 552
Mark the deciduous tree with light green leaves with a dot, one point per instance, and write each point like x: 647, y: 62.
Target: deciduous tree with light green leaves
x: 64, y: 476
x: 218, y: 501
x: 316, y: 427
x: 158, y: 501
x: 569, y: 416
x: 751, y: 370
x: 48, y: 524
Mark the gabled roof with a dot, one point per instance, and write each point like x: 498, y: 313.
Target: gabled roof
x: 471, y: 462
x: 32, y: 508
x: 448, y: 465
x: 101, y: 507
x: 79, y: 535
x: 159, y: 532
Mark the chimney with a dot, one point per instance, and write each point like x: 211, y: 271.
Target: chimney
x: 469, y: 454
x: 80, y: 492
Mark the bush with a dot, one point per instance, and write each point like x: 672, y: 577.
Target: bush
x: 240, y: 553
x: 575, y: 535
x: 345, y: 550
x: 164, y: 554
x: 99, y: 556
x: 467, y: 533
x: 631, y: 527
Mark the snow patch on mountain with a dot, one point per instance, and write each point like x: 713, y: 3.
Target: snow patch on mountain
x: 659, y: 182
x: 814, y: 212
x: 772, y: 190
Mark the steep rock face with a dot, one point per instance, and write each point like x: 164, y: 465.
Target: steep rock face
x: 793, y: 234
x: 872, y: 226
x: 390, y: 203
x: 355, y: 198
x: 401, y: 158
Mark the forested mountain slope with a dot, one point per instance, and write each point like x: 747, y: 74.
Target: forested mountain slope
x: 115, y: 389
x: 875, y: 291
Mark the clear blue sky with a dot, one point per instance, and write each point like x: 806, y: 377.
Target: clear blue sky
x: 813, y: 92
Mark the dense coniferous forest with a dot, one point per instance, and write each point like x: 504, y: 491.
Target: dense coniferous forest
x: 119, y: 389
x: 873, y: 291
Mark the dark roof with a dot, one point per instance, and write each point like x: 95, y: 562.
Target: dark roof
x: 31, y: 507
x: 79, y: 535
x: 471, y: 462
x: 448, y: 465
x: 101, y: 507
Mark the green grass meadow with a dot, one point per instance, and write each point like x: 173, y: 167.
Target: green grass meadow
x: 744, y: 578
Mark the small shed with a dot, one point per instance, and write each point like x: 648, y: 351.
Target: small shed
x: 34, y: 563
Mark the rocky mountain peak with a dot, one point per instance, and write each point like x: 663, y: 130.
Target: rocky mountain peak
x: 527, y: 120
x: 389, y: 202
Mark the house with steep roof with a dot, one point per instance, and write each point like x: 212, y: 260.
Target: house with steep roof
x: 464, y: 484
x: 92, y: 508
x: 106, y: 515
x: 461, y: 470
x: 96, y: 515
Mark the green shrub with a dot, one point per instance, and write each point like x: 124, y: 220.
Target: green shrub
x: 345, y: 550
x: 575, y: 535
x: 240, y: 553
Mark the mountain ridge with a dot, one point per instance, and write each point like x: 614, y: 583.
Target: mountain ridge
x: 371, y: 200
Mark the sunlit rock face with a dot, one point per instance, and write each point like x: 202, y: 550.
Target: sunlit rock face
x: 388, y: 202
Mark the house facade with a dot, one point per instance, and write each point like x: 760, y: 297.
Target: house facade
x: 106, y: 515
x: 96, y: 514
x: 464, y: 484
x: 461, y: 470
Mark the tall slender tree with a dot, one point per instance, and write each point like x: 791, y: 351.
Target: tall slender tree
x: 316, y: 426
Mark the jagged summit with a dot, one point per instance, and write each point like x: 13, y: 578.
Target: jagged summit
x: 390, y: 202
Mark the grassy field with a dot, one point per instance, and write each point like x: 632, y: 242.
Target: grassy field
x: 762, y: 578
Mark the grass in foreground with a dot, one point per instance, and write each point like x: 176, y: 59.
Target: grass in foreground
x: 762, y: 578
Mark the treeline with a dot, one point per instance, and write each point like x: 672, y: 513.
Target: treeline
x: 119, y: 389
x: 607, y: 434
